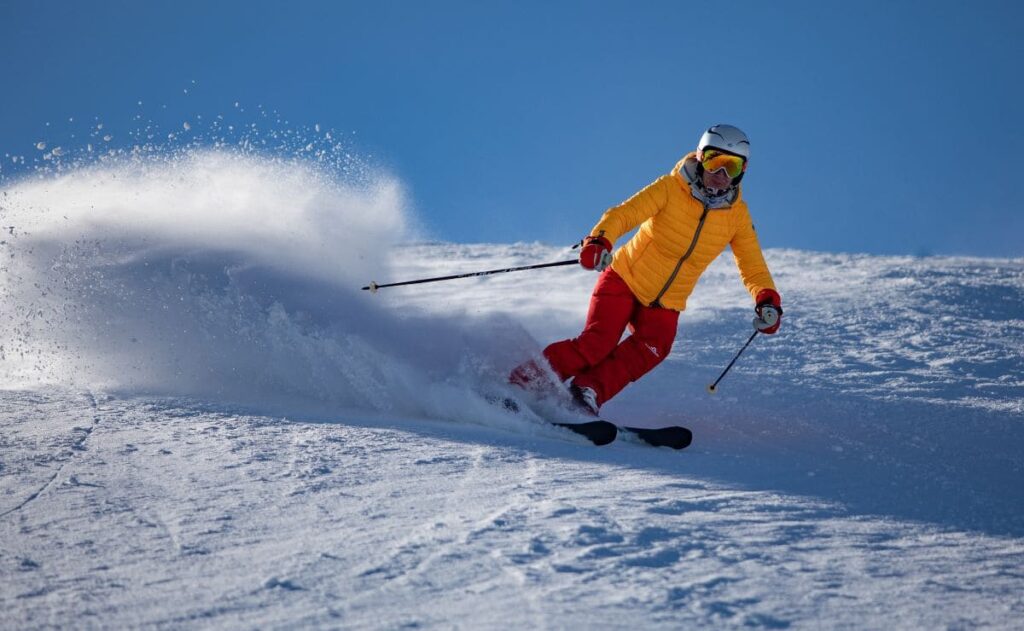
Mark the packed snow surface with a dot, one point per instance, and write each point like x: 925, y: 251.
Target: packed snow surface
x: 205, y: 422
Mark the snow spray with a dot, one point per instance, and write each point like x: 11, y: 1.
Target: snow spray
x: 225, y: 275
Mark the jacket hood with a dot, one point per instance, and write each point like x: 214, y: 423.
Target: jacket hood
x: 690, y: 157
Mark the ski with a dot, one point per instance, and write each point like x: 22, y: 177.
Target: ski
x: 601, y: 432
x: 675, y: 436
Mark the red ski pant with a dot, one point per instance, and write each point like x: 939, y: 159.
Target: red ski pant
x: 596, y: 359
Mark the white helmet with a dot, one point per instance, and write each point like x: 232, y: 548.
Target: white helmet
x: 727, y: 138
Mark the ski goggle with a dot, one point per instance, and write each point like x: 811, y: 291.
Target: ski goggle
x: 715, y: 160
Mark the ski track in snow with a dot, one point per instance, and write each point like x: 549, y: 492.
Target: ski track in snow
x: 193, y: 434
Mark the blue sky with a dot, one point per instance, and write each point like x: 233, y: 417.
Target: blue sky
x: 879, y: 127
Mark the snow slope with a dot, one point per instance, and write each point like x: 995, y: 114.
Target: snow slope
x: 205, y: 422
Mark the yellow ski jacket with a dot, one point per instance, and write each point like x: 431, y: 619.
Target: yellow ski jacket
x: 680, y: 233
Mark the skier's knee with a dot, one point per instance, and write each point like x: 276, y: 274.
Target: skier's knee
x: 595, y: 350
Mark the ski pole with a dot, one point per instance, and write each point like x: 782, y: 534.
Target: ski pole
x: 373, y: 287
x: 714, y: 387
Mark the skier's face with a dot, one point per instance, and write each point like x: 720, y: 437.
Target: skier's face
x: 718, y: 179
x: 720, y: 167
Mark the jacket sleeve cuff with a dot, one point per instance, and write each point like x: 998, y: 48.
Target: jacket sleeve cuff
x: 768, y: 296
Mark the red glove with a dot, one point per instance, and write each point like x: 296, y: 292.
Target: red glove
x: 596, y: 253
x: 769, y: 311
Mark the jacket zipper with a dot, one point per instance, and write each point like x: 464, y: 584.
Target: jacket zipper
x: 679, y: 265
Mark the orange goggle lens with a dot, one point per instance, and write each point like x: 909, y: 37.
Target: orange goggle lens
x: 715, y: 160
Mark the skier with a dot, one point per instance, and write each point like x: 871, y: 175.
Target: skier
x: 686, y: 220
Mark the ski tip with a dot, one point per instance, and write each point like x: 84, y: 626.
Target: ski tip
x: 683, y: 441
x: 675, y: 437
